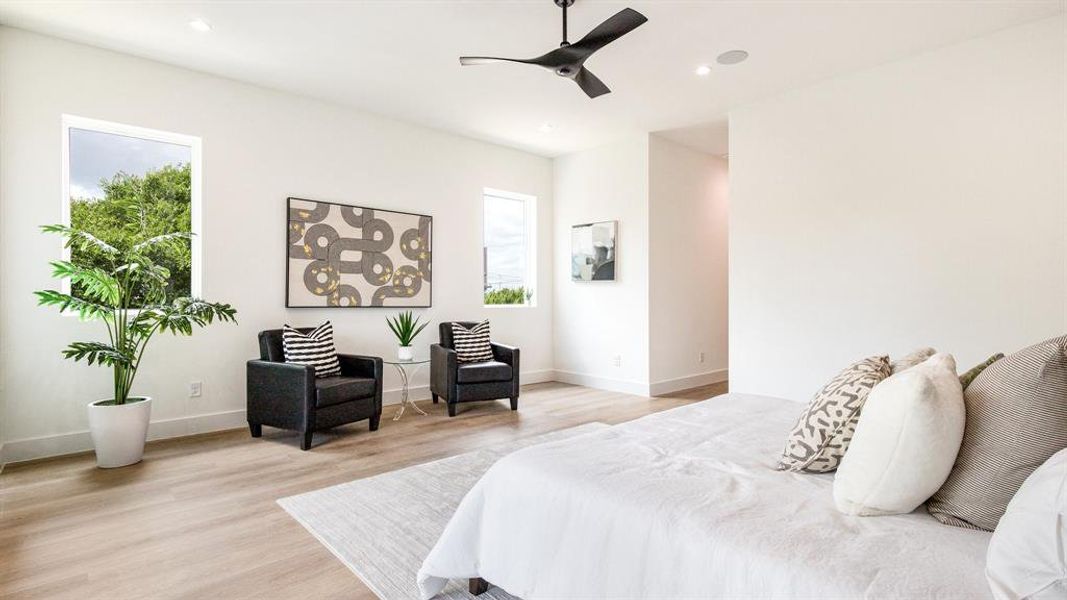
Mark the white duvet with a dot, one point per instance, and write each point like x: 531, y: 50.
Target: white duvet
x: 687, y: 504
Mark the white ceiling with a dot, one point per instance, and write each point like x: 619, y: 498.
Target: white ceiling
x: 399, y: 57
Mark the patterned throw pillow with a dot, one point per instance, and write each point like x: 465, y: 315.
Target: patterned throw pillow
x: 1016, y: 420
x: 967, y: 378
x: 314, y: 348
x: 472, y: 345
x: 821, y: 436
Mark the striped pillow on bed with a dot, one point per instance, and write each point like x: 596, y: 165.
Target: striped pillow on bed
x: 314, y: 348
x: 472, y: 345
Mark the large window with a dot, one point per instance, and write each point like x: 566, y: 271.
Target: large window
x: 509, y: 249
x: 123, y: 184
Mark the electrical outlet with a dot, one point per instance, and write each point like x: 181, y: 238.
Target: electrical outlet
x: 195, y: 388
x: 616, y: 360
x: 700, y: 357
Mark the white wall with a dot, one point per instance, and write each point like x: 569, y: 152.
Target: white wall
x: 921, y: 202
x: 688, y: 193
x: 668, y: 302
x: 259, y: 146
x: 595, y: 321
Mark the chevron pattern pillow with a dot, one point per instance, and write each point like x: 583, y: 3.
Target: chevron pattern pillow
x: 314, y: 348
x: 472, y: 345
x: 822, y: 433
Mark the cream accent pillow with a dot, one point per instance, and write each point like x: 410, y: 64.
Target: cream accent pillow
x: 915, y: 357
x: 1026, y: 558
x: 822, y: 433
x: 905, y: 443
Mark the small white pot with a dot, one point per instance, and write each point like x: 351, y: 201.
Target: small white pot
x: 405, y: 352
x: 119, y: 431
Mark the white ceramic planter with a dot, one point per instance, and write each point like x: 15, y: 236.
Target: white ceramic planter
x: 405, y: 353
x: 119, y: 431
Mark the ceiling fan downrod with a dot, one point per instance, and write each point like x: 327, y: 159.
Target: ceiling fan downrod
x: 564, y: 4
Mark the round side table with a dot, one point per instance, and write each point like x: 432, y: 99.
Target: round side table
x: 406, y: 368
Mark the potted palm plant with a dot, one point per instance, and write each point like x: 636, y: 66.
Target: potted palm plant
x: 122, y: 285
x: 405, y: 327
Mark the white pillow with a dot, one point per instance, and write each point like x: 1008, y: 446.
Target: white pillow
x: 1025, y: 557
x: 905, y: 443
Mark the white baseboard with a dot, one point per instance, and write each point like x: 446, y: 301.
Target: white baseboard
x: 667, y: 386
x: 541, y: 376
x: 625, y: 386
x: 79, y: 441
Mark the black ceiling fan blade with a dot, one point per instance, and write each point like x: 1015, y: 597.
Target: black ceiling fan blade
x: 485, y: 60
x: 616, y: 26
x: 590, y: 84
x: 552, y: 60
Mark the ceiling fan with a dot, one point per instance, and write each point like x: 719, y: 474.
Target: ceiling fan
x: 567, y: 60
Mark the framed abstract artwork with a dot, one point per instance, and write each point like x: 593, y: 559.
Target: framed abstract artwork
x: 593, y: 251
x: 353, y: 256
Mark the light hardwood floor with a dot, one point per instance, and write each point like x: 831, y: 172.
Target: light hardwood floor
x: 197, y: 518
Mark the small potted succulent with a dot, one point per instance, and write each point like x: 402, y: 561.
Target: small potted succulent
x: 122, y: 285
x: 405, y: 327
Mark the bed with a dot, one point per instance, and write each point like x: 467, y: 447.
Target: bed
x: 687, y: 503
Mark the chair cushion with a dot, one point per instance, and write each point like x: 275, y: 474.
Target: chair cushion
x: 335, y: 390
x: 484, y: 372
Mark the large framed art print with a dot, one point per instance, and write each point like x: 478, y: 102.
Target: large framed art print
x: 344, y: 256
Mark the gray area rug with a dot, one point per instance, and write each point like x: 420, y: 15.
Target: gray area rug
x: 385, y: 547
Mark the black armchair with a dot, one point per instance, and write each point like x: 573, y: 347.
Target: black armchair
x: 471, y: 382
x: 289, y: 396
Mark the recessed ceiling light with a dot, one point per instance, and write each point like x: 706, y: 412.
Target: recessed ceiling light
x: 703, y: 70
x: 732, y: 57
x: 546, y: 128
x: 200, y: 25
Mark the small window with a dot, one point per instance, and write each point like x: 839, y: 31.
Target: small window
x: 509, y: 249
x: 107, y: 166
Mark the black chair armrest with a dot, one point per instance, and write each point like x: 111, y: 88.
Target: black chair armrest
x: 281, y: 379
x: 505, y: 354
x: 354, y: 365
x: 275, y: 389
x: 443, y: 366
x: 509, y: 355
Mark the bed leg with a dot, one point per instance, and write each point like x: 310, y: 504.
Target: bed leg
x: 478, y: 586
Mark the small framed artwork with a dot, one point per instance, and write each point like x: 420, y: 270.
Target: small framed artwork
x: 593, y: 251
x: 345, y: 256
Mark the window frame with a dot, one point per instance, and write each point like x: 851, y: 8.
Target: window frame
x: 195, y: 162
x: 530, y: 237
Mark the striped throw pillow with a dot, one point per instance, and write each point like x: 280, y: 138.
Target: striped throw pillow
x: 1016, y: 420
x: 314, y: 348
x: 472, y: 345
